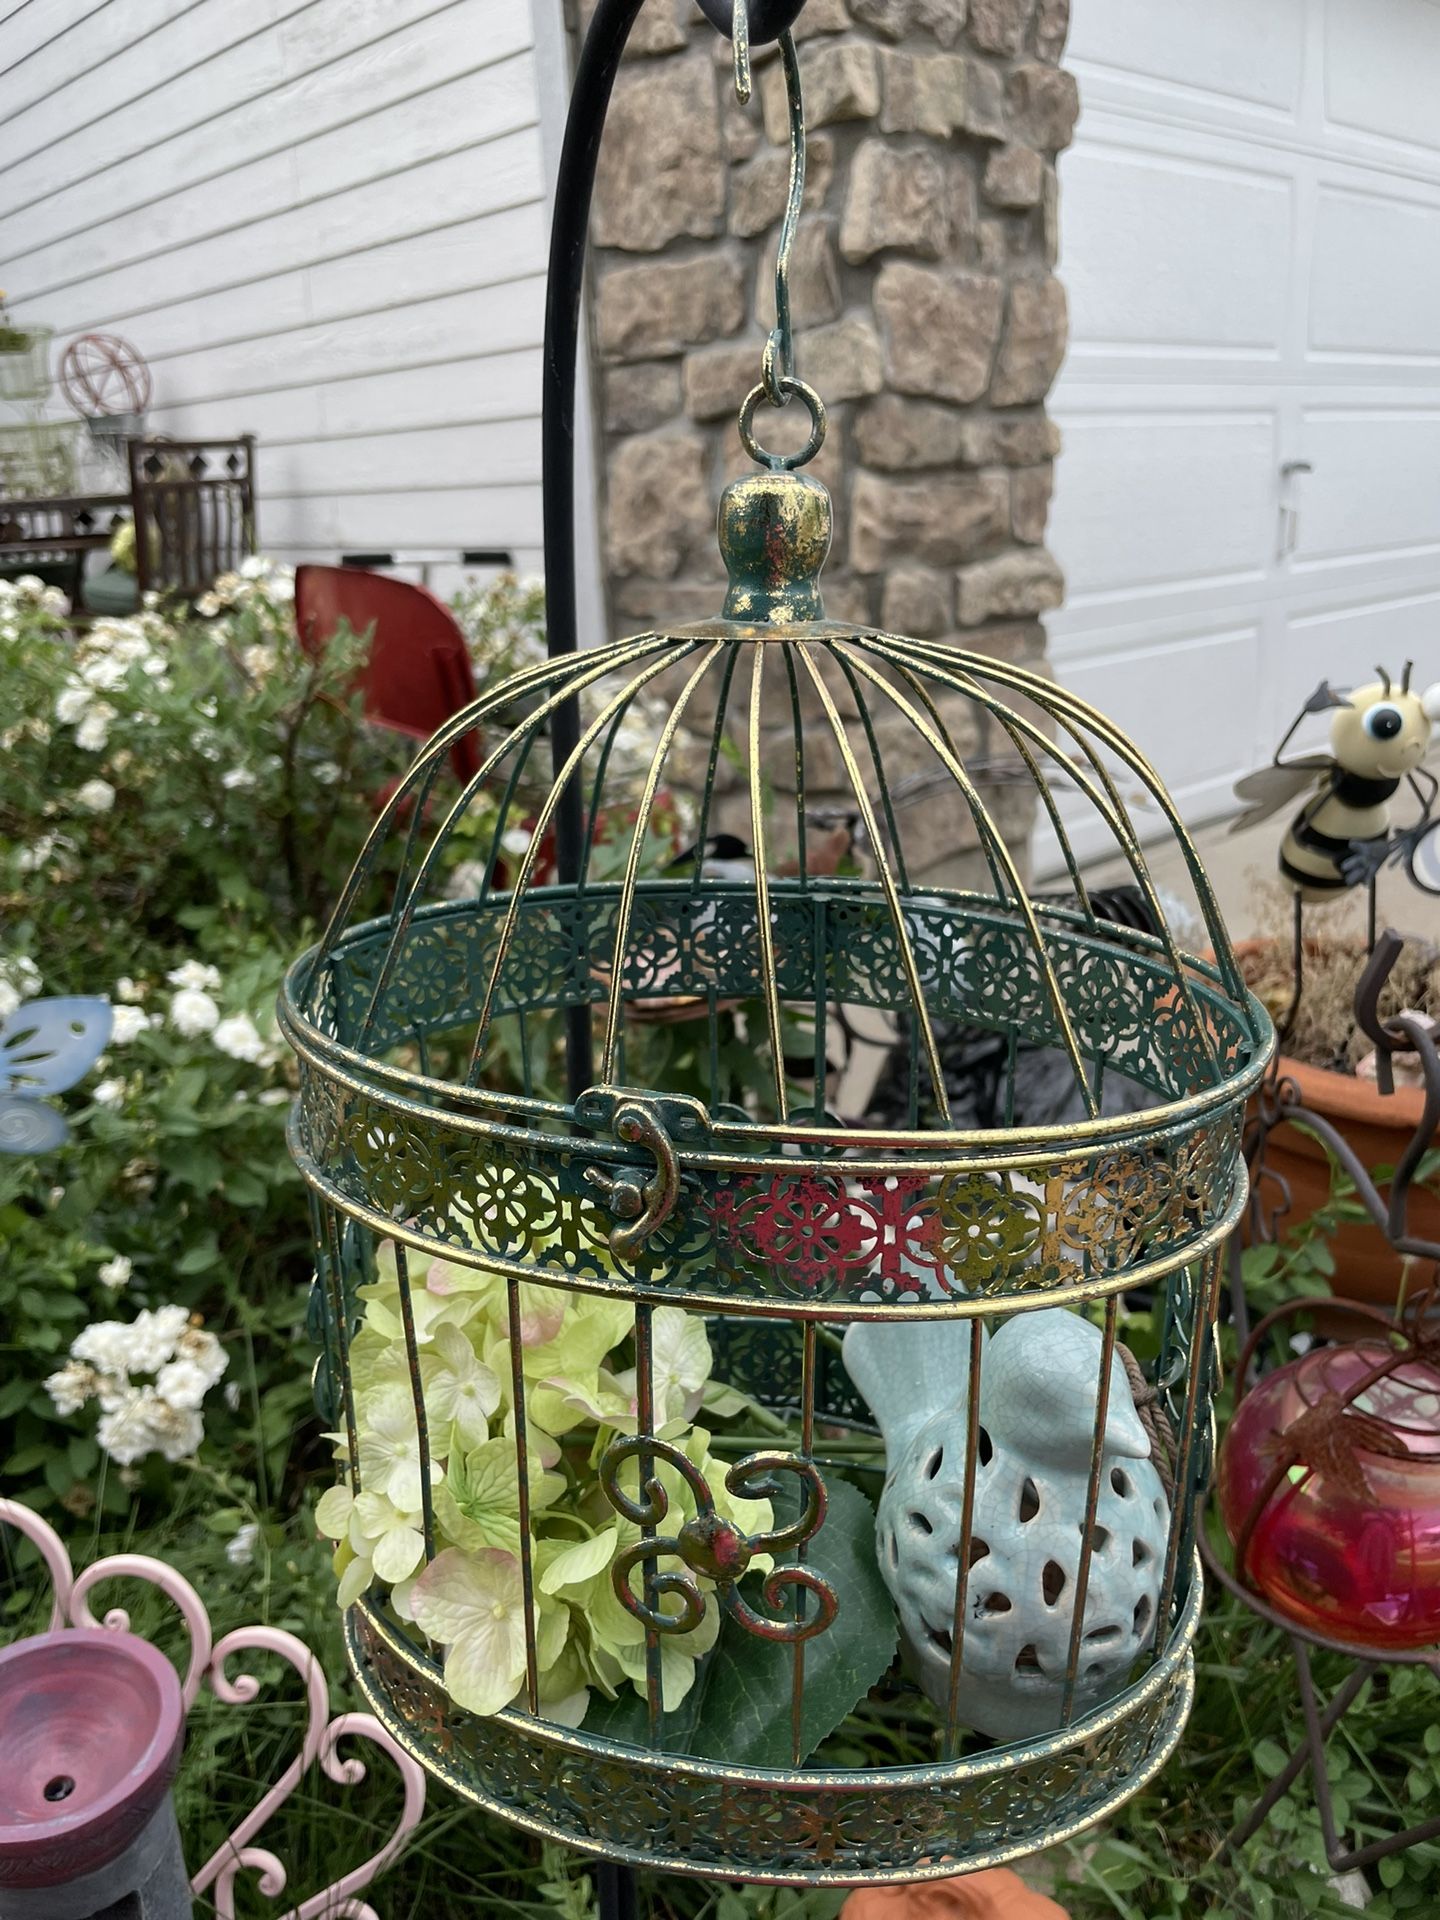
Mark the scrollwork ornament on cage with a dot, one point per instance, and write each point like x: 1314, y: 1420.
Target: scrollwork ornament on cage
x: 714, y: 1547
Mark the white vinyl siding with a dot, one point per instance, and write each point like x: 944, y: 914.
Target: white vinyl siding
x: 320, y: 221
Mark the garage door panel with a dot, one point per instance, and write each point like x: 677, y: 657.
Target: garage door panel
x: 1208, y: 676
x: 1149, y: 500
x: 1252, y: 246
x: 1383, y: 82
x: 1344, y: 644
x: 1229, y: 47
x: 1375, y: 279
x: 1173, y: 255
x: 1375, y: 488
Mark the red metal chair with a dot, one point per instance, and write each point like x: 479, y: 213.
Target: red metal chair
x: 418, y: 673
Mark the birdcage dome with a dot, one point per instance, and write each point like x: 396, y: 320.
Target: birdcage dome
x: 432, y: 1105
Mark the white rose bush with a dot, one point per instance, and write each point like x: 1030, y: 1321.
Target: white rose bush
x: 181, y: 797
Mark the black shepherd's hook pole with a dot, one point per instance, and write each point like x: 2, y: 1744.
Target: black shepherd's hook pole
x: 574, y: 185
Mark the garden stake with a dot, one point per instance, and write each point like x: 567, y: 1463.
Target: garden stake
x: 1303, y: 1463
x: 709, y: 1619
x: 92, y: 1722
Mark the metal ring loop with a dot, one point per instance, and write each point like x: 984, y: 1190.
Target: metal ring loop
x: 783, y: 462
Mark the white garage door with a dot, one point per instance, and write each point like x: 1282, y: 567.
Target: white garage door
x: 1251, y: 222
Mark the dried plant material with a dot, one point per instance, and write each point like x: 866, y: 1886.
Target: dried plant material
x: 1324, y: 1033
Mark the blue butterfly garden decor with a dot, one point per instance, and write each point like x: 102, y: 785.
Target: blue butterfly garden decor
x: 45, y: 1047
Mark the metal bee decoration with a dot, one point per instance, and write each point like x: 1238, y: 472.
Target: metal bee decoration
x: 46, y: 1046
x: 1344, y: 834
x: 472, y: 1204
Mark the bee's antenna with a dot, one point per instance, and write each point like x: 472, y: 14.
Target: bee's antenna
x: 1385, y: 679
x: 1405, y: 682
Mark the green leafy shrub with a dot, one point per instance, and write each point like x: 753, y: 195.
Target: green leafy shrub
x: 182, y: 797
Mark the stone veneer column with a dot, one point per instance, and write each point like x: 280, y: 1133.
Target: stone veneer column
x: 926, y: 312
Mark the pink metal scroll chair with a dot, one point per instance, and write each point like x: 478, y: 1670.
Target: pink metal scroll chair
x: 418, y: 673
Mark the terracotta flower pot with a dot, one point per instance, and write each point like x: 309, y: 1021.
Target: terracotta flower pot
x: 996, y: 1894
x: 1378, y: 1127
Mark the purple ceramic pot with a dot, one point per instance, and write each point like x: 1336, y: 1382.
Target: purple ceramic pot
x: 91, y: 1726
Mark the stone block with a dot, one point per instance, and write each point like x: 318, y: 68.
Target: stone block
x: 660, y: 308
x: 758, y: 191
x: 644, y: 604
x: 915, y: 600
x: 984, y: 103
x: 942, y: 520
x: 895, y: 199
x: 658, y: 503
x: 842, y: 361
x: 841, y: 81
x: 1030, y: 489
x: 814, y: 277
x: 1014, y: 178
x: 640, y: 397
x: 740, y: 128
x: 1043, y: 103
x: 848, y: 599
x: 1033, y: 345
x: 998, y: 26
x: 922, y: 92
x: 1008, y: 440
x: 821, y: 16
x: 940, y: 329
x: 942, y: 20
x: 717, y: 379
x: 1052, y: 23
x: 661, y: 175
x: 896, y: 435
x: 891, y: 19
x: 1006, y: 585
x: 659, y: 29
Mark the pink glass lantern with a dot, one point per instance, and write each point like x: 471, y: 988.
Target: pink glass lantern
x: 1329, y: 1487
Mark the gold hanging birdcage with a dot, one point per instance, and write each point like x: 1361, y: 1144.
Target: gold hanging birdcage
x: 694, y: 1173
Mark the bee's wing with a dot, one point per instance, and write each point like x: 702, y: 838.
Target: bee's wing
x: 47, y: 1045
x: 1271, y: 788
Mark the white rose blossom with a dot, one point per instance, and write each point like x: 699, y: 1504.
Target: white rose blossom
x: 240, y: 1547
x: 127, y: 1023
x: 72, y: 1387
x: 98, y: 796
x: 20, y: 981
x: 116, y: 1272
x: 73, y: 703
x: 237, y: 779
x: 195, y: 973
x: 30, y: 858
x: 238, y: 1036
x: 193, y: 1012
x: 108, y: 1093
x: 94, y: 730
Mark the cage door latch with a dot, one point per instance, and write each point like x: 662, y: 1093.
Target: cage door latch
x: 644, y: 1204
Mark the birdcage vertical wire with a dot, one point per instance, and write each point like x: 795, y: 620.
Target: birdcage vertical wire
x: 429, y: 1118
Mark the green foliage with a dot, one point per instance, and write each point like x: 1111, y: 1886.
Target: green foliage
x: 180, y: 799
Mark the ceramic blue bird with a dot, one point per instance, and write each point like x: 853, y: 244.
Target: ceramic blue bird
x: 1039, y: 1380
